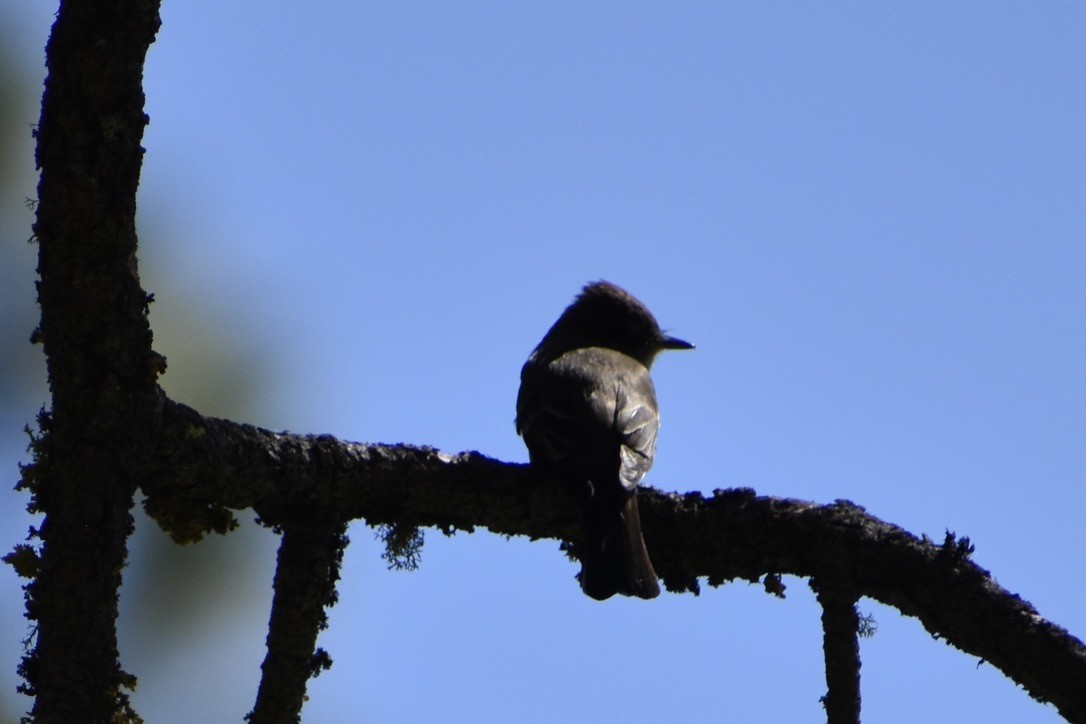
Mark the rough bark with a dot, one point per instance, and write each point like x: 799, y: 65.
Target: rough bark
x: 98, y: 346
x: 841, y: 647
x: 305, y: 579
x: 207, y: 465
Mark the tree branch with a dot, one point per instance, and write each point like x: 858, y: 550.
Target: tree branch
x: 207, y: 465
x: 840, y: 625
x: 305, y: 578
x: 102, y: 371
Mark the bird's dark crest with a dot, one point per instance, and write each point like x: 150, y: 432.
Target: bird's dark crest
x: 605, y: 315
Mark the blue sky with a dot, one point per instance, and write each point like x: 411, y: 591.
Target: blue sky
x: 868, y: 217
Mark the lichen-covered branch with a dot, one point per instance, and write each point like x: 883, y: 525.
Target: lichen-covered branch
x: 88, y: 458
x: 207, y: 466
x: 305, y: 580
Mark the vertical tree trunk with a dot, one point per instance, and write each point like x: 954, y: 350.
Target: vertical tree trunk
x: 102, y: 372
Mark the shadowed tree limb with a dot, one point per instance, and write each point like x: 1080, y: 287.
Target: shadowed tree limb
x: 841, y: 646
x: 90, y: 456
x: 305, y: 577
x: 208, y: 465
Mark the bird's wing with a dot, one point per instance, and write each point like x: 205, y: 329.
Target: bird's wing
x: 624, y: 409
x: 549, y: 416
x: 637, y: 422
x: 549, y: 430
x: 587, y: 405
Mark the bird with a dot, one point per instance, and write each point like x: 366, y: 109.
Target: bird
x: 587, y: 412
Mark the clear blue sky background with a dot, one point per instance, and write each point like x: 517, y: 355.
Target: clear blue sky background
x: 869, y: 217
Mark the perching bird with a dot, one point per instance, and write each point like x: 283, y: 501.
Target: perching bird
x: 587, y: 412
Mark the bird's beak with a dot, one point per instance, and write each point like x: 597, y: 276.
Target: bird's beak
x: 674, y: 343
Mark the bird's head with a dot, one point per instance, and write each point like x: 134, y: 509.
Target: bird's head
x: 605, y: 315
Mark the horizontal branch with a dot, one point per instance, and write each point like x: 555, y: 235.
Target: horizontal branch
x: 213, y: 465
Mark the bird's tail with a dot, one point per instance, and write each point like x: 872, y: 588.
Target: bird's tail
x: 614, y: 558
